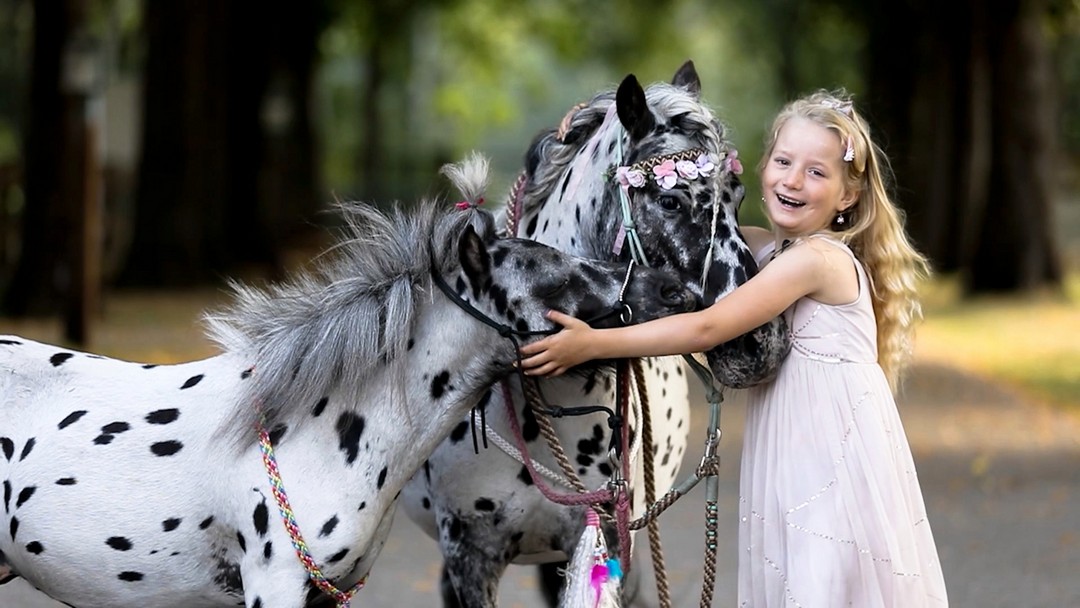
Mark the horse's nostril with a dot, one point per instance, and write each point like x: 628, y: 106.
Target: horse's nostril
x: 673, y: 295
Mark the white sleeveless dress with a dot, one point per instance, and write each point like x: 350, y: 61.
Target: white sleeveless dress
x: 830, y: 509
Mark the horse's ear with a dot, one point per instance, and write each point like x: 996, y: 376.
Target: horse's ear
x: 472, y: 252
x: 634, y: 113
x: 687, y: 78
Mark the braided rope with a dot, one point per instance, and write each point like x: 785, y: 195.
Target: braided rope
x: 709, y: 565
x: 343, y: 598
x: 656, y: 549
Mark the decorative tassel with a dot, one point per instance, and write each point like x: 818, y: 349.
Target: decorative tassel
x: 592, y: 578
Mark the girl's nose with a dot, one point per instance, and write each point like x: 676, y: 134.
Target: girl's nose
x: 793, y: 179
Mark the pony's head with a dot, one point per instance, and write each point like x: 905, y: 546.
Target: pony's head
x: 649, y: 172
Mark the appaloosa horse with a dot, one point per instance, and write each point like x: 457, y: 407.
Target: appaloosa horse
x: 148, y: 486
x: 665, y: 151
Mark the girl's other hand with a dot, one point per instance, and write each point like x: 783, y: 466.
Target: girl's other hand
x: 555, y: 354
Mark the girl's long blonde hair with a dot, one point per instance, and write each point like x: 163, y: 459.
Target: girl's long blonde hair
x: 873, y: 226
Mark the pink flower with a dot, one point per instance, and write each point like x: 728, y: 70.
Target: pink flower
x: 705, y: 164
x: 687, y: 169
x: 630, y: 178
x: 732, y: 163
x: 665, y: 174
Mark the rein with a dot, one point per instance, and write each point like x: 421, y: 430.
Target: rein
x: 277, y: 486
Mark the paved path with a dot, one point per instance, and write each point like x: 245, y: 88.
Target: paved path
x: 1001, y: 480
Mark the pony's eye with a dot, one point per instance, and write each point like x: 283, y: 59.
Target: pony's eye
x: 668, y: 202
x: 548, y: 290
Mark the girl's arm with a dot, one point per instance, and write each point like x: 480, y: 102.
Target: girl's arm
x: 800, y: 271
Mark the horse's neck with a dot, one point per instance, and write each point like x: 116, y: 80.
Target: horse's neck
x: 579, y: 220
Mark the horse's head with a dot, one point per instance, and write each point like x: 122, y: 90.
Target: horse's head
x: 513, y: 282
x: 654, y: 159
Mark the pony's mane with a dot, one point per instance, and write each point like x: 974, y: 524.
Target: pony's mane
x: 334, y: 326
x: 549, y: 157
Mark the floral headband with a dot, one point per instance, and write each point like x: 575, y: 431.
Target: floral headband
x: 667, y: 168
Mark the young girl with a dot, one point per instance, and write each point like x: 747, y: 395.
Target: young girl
x: 831, y: 513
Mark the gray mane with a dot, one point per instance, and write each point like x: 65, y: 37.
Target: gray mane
x: 350, y: 317
x: 549, y: 158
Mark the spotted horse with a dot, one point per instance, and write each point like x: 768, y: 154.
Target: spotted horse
x: 483, y: 506
x: 133, y: 485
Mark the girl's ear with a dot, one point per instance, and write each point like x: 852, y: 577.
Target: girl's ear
x: 849, y: 198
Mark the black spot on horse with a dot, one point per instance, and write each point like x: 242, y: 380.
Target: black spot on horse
x: 25, y: 495
x: 34, y: 547
x: 171, y: 524
x: 192, y: 381
x: 130, y: 577
x: 261, y: 518
x: 530, y: 428
x: 13, y: 528
x: 244, y: 375
x: 350, y: 428
x: 119, y: 543
x: 241, y: 541
x: 484, y: 504
x: 277, y: 433
x: 149, y: 366
x: 104, y: 439
x: 116, y: 427
x: 459, y: 432
x: 29, y: 447
x: 440, y: 384
x: 10, y: 342
x: 59, y: 358
x: 337, y: 557
x: 7, y: 495
x: 65, y: 481
x: 8, y: 446
x: 164, y: 416
x: 456, y: 528
x: 524, y: 476
x: 320, y: 406
x: 382, y: 479
x: 71, y: 419
x: 206, y: 523
x: 166, y: 448
x: 328, y: 527
x: 268, y: 550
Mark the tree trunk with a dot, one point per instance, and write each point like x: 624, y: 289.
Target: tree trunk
x: 1016, y: 248
x: 228, y: 161
x: 962, y: 103
x: 53, y: 153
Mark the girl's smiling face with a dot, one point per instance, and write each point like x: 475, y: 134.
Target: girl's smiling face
x: 803, y: 179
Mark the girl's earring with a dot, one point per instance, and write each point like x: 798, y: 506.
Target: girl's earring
x: 840, y: 219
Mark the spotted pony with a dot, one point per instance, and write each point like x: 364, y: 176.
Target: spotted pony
x: 484, y: 508
x: 138, y: 485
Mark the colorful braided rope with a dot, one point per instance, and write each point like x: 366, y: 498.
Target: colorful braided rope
x: 342, y: 597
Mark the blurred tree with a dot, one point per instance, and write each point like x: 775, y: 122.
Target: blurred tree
x: 53, y: 157
x: 228, y: 157
x: 967, y: 99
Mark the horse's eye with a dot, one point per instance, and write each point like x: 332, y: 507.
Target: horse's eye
x: 668, y: 202
x: 548, y: 290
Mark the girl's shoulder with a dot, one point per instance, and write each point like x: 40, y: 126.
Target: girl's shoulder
x: 757, y: 238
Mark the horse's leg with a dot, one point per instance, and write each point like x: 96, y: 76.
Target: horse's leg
x: 474, y: 562
x: 552, y: 581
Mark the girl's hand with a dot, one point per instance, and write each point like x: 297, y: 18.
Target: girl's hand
x: 557, y: 353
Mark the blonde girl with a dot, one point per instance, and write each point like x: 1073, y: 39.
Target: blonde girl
x: 831, y: 511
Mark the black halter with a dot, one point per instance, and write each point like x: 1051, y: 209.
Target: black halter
x: 620, y: 308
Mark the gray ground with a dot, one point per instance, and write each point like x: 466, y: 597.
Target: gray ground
x: 999, y: 477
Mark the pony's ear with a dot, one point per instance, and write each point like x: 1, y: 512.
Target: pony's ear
x: 634, y: 113
x: 472, y: 252
x: 687, y: 78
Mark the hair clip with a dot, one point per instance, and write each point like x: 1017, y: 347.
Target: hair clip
x: 849, y: 153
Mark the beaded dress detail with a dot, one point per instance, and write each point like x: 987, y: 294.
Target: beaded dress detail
x: 830, y: 509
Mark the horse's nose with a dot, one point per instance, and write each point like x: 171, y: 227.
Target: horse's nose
x: 676, y: 296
